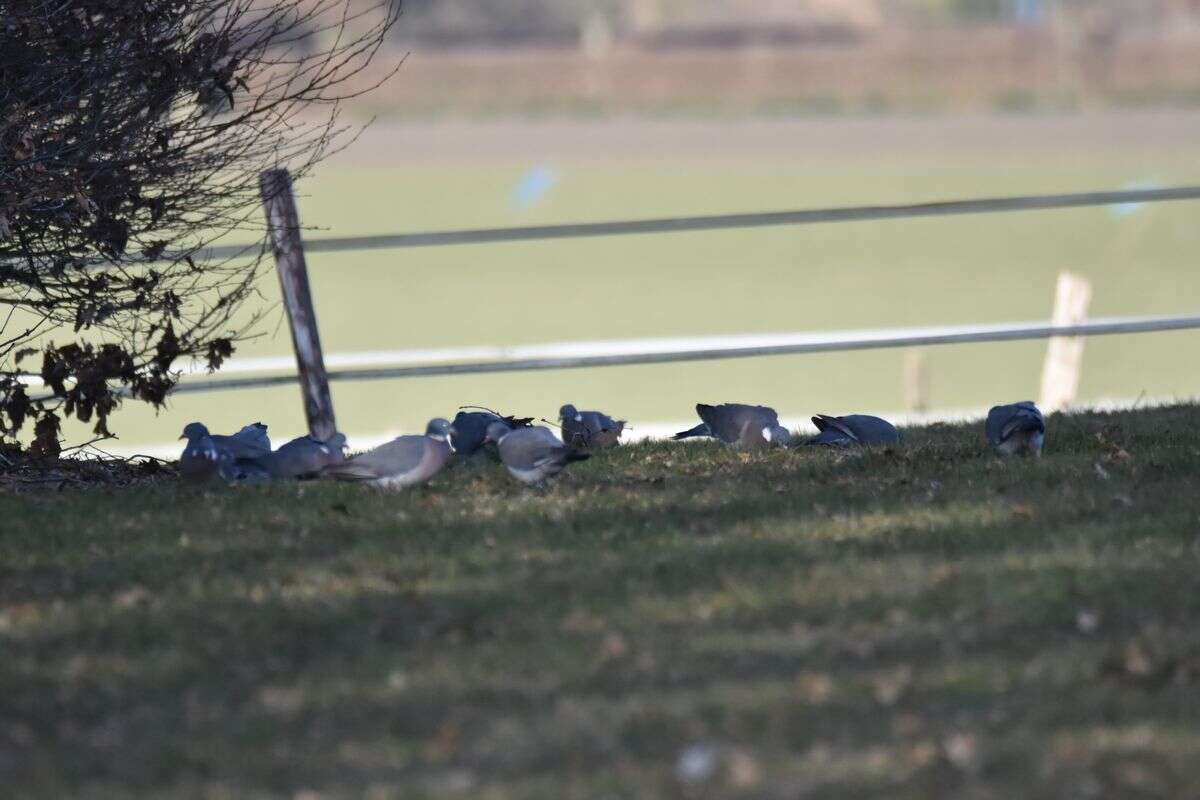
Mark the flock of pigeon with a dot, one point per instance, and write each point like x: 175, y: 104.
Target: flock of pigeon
x: 532, y: 454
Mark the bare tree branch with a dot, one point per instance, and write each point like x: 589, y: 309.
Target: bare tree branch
x: 131, y: 138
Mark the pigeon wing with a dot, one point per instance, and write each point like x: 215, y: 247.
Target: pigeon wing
x: 725, y: 421
x: 397, y: 457
x: 606, y: 423
x: 728, y: 420
x: 469, y: 430
x: 303, y: 456
x: 525, y: 448
x: 871, y: 430
x: 767, y: 414
x: 250, y: 442
x: 834, y: 425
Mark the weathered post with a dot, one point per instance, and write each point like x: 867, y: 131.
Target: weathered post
x: 1064, y: 356
x: 283, y: 225
x: 916, y: 381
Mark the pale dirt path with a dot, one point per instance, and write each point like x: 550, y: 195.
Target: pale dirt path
x: 391, y: 141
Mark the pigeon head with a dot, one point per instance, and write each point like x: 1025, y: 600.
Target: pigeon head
x: 193, y: 431
x: 496, y: 431
x: 438, y: 429
x: 777, y: 435
x: 568, y: 412
x: 337, y: 441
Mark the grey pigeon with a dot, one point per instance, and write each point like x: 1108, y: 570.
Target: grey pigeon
x: 854, y: 429
x: 740, y: 425
x: 532, y: 454
x: 1016, y: 429
x: 302, y: 457
x: 201, y: 459
x: 404, y: 461
x: 209, y: 455
x: 470, y: 429
x: 589, y: 429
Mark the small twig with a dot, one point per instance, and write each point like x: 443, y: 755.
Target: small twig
x: 109, y: 455
x: 165, y: 462
x: 90, y: 444
x: 12, y: 310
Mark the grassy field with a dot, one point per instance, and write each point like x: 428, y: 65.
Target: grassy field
x: 665, y: 621
x: 910, y: 272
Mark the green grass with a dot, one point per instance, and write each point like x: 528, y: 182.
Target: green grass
x: 926, y: 621
x: 961, y: 270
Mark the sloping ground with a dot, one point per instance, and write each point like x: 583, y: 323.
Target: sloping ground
x: 667, y: 620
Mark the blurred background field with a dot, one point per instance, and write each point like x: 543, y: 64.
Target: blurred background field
x: 848, y: 276
x: 789, y: 57
x: 551, y: 111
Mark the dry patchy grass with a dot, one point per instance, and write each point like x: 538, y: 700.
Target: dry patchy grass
x: 667, y: 620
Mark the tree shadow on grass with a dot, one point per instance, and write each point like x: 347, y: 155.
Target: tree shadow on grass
x: 613, y: 617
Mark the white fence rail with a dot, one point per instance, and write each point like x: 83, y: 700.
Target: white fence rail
x: 576, y: 355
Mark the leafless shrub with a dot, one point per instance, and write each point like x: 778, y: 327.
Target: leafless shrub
x: 131, y: 137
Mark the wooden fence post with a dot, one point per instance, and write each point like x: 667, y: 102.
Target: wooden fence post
x: 1064, y: 356
x: 283, y: 225
x: 916, y: 381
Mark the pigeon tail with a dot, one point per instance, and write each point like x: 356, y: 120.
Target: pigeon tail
x: 700, y: 430
x: 830, y: 436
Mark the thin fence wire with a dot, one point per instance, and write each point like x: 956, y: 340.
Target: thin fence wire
x: 821, y: 344
x: 728, y: 221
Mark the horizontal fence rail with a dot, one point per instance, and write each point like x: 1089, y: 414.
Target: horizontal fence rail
x: 703, y: 349
x: 728, y: 221
x: 802, y: 343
